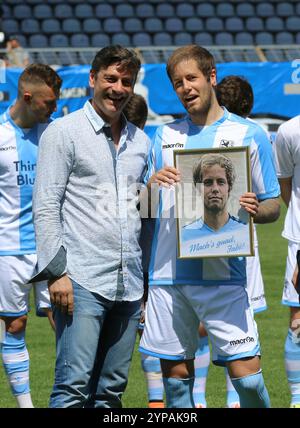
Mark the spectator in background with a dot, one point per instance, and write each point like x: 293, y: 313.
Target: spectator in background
x: 16, y: 55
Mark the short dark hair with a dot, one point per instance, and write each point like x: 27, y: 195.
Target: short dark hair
x: 211, y: 159
x: 236, y: 94
x: 136, y: 110
x: 109, y: 55
x: 40, y: 73
x: 202, y: 56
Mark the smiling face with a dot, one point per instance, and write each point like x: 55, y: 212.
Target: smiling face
x: 113, y: 86
x: 194, y: 90
x: 216, y: 189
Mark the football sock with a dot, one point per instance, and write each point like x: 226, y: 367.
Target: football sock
x: 232, y: 398
x: 179, y: 392
x: 16, y: 365
x: 201, y: 362
x: 156, y: 404
x: 252, y: 391
x: 292, y: 366
x: 152, y: 371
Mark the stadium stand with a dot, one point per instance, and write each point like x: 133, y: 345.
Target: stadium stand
x: 265, y: 30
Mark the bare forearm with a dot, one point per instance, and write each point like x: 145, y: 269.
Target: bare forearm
x: 286, y: 189
x: 268, y: 211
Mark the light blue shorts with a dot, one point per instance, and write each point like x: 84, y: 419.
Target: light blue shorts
x: 172, y: 319
x: 15, y: 271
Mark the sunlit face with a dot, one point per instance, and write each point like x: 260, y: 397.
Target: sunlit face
x: 192, y: 87
x: 41, y: 102
x: 113, y: 86
x: 216, y: 188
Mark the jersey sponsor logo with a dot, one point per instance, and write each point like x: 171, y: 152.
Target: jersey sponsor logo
x: 236, y: 342
x: 226, y: 143
x: 7, y: 148
x: 25, y: 172
x: 173, y: 146
x: 80, y: 92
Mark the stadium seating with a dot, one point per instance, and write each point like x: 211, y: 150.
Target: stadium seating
x: 162, y: 39
x: 63, y: 10
x: 50, y: 26
x: 91, y: 26
x: 224, y: 39
x: 174, y: 25
x: 59, y: 41
x: 21, y: 11
x: 124, y: 10
x: 144, y: 10
x: 194, y: 25
x: 141, y: 39
x: 182, y: 38
x: 112, y: 25
x: 30, y: 26
x: 71, y: 26
x: 38, y: 41
x: 245, y: 10
x: 79, y: 40
x: 224, y: 10
x: 42, y: 11
x: 84, y: 11
x: 121, y: 39
x: 244, y: 38
x: 185, y: 10
x: 153, y: 25
x: 156, y: 23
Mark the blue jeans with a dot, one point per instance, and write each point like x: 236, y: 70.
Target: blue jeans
x: 94, y: 348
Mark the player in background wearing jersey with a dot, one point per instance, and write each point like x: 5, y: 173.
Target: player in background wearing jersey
x: 20, y: 130
x: 287, y: 158
x: 183, y: 292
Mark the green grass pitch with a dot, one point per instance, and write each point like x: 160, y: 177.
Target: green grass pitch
x: 272, y: 325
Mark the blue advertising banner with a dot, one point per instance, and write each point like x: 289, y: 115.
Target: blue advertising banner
x: 276, y: 88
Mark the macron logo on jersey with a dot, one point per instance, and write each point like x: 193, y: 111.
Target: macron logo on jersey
x: 7, y: 148
x: 241, y: 341
x: 173, y: 146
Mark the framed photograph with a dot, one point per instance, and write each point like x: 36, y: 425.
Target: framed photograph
x: 210, y: 219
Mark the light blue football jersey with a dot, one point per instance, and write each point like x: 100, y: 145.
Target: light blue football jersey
x: 4, y: 116
x: 229, y: 131
x: 18, y: 154
x: 198, y: 239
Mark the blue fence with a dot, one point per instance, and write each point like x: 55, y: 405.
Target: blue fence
x: 276, y: 87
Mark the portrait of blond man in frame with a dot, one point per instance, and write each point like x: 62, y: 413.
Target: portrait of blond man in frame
x: 210, y: 220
